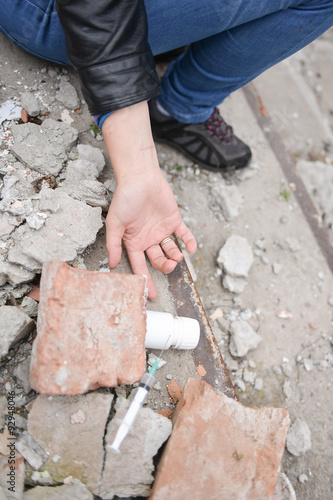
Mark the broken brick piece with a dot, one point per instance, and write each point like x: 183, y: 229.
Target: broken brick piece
x: 174, y: 391
x: 221, y: 449
x: 90, y: 332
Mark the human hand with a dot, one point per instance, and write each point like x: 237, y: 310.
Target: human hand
x: 143, y: 212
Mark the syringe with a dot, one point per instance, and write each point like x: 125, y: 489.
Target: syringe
x: 139, y: 397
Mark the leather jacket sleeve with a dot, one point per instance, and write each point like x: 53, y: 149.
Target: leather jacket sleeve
x: 107, y: 44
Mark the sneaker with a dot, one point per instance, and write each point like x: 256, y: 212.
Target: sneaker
x: 211, y: 144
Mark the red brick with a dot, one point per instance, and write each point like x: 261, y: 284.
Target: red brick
x: 90, y: 331
x: 221, y: 449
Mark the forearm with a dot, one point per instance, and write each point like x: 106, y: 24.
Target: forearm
x: 128, y: 138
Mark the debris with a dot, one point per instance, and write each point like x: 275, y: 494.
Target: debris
x: 32, y: 452
x: 236, y: 257
x: 276, y: 268
x: 229, y: 198
x: 9, y: 111
x: 29, y: 306
x: 308, y: 364
x: 14, y: 326
x: 201, y: 371
x: 299, y: 438
x: 287, y: 391
x: 64, y: 492
x: 67, y: 94
x: 77, y: 363
x: 303, y: 478
x: 34, y: 293
x: 218, y: 313
x: 249, y: 376
x: 234, y: 285
x: 293, y: 244
x: 66, y: 117
x: 259, y: 384
x: 231, y: 439
x: 243, y: 338
x: 14, y: 274
x: 284, y: 314
x: 43, y: 148
x: 174, y: 391
x: 49, y: 423
x: 21, y: 372
x: 30, y: 103
x: 152, y: 358
x: 129, y: 474
x: 240, y: 384
x: 70, y: 228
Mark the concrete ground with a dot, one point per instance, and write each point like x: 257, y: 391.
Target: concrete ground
x: 286, y: 116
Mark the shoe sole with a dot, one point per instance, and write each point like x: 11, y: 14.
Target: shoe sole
x: 236, y: 165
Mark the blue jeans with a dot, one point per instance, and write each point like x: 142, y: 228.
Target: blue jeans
x: 231, y: 42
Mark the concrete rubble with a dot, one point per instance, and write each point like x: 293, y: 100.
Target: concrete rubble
x: 43, y: 148
x: 235, y: 259
x: 67, y: 94
x: 243, y: 338
x: 221, y: 449
x: 130, y: 473
x: 77, y: 363
x: 65, y: 492
x: 299, y: 438
x: 14, y: 326
x: 30, y: 103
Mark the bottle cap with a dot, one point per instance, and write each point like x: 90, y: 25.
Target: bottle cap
x: 188, y: 330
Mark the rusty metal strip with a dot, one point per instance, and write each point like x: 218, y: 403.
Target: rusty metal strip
x: 207, y: 354
x: 304, y: 200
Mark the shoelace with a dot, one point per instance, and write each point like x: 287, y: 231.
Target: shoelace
x: 217, y: 126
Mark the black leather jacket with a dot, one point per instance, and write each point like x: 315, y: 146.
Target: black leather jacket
x: 107, y: 44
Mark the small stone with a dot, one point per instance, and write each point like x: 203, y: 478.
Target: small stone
x: 293, y: 244
x: 21, y: 372
x: 229, y: 198
x: 284, y: 314
x: 252, y: 364
x: 287, y: 391
x: 232, y: 365
x: 9, y: 111
x: 308, y: 364
x: 152, y: 358
x: 218, y: 313
x: 276, y: 268
x: 259, y: 384
x: 216, y: 437
x: 66, y: 117
x: 29, y: 306
x: 30, y: 103
x: 330, y: 301
x: 223, y: 324
x: 249, y: 376
x: 299, y: 438
x: 32, y: 452
x: 236, y: 257
x: 243, y: 338
x: 14, y: 326
x: 234, y: 285
x: 169, y: 376
x: 240, y: 384
x: 67, y: 95
x: 91, y: 154
x: 286, y: 368
x: 303, y: 478
x: 14, y: 274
